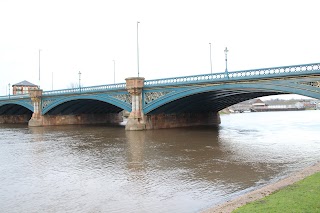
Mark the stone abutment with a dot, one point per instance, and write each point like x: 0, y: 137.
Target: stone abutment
x: 58, y: 120
x: 166, y: 121
x: 14, y: 119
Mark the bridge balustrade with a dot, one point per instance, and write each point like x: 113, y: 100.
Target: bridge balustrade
x: 72, y: 91
x: 86, y: 89
x: 236, y: 75
x: 14, y: 96
x: 218, y: 77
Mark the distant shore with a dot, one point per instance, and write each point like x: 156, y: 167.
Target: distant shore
x: 233, y: 204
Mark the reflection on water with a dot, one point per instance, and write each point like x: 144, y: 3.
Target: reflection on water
x: 135, y: 151
x: 108, y: 169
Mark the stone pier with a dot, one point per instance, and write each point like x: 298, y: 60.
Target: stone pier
x: 136, y: 121
x: 37, y: 118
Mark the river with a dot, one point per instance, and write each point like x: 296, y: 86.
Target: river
x: 107, y: 169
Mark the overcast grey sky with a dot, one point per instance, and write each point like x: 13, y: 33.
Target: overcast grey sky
x: 174, y: 37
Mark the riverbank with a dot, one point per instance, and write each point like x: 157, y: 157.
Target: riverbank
x: 231, y: 205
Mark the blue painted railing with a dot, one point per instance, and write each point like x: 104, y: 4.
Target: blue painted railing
x: 15, y: 96
x: 86, y: 89
x: 237, y: 75
x: 73, y: 91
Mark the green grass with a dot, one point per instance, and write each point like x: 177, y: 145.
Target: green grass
x: 303, y: 196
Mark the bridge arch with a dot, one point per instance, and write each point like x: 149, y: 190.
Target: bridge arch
x: 15, y: 108
x: 221, y: 96
x: 114, y: 104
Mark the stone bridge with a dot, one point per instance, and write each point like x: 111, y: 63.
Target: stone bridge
x: 160, y: 103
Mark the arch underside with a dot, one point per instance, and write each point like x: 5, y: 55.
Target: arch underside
x: 83, y: 106
x: 212, y: 101
x: 14, y: 109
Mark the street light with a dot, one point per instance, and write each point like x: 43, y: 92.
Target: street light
x: 210, y: 59
x: 114, y: 71
x: 79, y: 81
x: 226, y: 56
x: 9, y: 90
x: 39, y: 67
x: 138, y: 46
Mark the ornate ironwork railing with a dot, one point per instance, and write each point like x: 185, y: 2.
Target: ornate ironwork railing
x: 225, y: 76
x: 237, y: 75
x: 4, y: 97
x: 72, y: 91
x: 14, y: 96
x: 86, y: 89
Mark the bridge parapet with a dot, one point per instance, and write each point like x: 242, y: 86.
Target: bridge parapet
x: 272, y: 72
x: 99, y: 88
x: 14, y: 97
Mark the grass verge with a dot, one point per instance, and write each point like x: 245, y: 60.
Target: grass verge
x: 303, y: 196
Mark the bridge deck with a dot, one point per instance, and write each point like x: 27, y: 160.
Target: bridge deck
x: 262, y: 73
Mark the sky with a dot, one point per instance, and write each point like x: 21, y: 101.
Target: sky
x: 91, y: 36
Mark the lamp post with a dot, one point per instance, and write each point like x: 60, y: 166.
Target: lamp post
x: 79, y: 81
x: 114, y: 71
x: 52, y: 80
x: 138, y: 46
x: 9, y: 90
x: 210, y: 59
x: 226, y: 57
x: 39, y: 67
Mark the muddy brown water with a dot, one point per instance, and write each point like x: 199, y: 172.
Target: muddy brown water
x: 107, y: 169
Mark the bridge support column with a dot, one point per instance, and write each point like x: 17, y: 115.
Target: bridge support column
x: 136, y: 118
x: 37, y: 118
